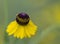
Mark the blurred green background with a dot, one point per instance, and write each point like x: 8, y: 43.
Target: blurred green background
x: 44, y: 13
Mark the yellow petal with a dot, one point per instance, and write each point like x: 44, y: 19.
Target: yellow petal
x: 31, y: 30
x: 27, y: 33
x: 32, y: 25
x: 11, y: 26
x: 16, y: 32
x: 19, y: 32
x: 13, y: 31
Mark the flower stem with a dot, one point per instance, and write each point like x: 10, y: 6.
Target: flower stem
x: 6, y: 39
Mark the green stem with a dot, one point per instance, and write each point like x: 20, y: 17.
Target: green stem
x: 6, y: 39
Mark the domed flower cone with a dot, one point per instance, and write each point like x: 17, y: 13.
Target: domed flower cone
x: 22, y: 27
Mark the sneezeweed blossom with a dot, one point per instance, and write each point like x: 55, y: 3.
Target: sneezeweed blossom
x: 22, y: 27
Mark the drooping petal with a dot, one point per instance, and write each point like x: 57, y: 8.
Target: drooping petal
x: 21, y: 35
x: 31, y: 31
x: 11, y: 26
x: 33, y: 26
x: 13, y: 31
x: 27, y: 32
x: 20, y: 32
x: 16, y: 32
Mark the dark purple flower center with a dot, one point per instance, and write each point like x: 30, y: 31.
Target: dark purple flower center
x: 23, y: 15
x: 22, y: 19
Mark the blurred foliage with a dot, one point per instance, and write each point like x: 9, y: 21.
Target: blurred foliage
x: 45, y: 13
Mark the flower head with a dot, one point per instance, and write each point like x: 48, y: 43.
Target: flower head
x: 22, y: 18
x: 22, y: 27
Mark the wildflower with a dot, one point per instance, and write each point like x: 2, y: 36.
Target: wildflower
x: 22, y: 27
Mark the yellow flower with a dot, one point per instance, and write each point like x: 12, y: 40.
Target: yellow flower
x: 22, y: 28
